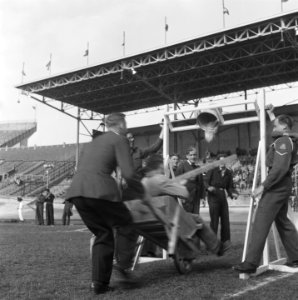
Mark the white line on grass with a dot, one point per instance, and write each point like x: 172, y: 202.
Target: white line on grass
x: 257, y: 286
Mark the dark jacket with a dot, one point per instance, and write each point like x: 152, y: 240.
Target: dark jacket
x: 281, y: 157
x: 215, y: 179
x: 194, y: 184
x: 139, y: 154
x: 98, y: 161
x: 50, y: 199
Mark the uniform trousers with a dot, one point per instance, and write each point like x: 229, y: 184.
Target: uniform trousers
x: 273, y: 206
x: 219, y: 209
x: 50, y: 213
x: 101, y: 216
x: 39, y: 213
x: 67, y: 213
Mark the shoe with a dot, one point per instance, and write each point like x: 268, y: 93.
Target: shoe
x: 224, y: 247
x: 125, y: 278
x: 99, y: 288
x: 245, y: 267
x: 293, y: 264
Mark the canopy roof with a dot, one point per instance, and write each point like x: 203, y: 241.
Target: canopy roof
x: 252, y: 56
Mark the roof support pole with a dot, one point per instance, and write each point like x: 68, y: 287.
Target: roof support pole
x: 263, y: 159
x: 166, y: 135
x: 78, y: 137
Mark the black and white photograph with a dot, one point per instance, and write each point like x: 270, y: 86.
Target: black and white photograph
x: 149, y: 149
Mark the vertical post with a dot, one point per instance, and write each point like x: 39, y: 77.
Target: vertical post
x: 123, y: 43
x: 166, y: 30
x: 263, y: 158
x: 166, y: 134
x: 165, y: 150
x: 223, y: 14
x: 175, y: 137
x: 78, y: 138
x: 87, y: 53
x: 50, y: 67
x: 251, y: 207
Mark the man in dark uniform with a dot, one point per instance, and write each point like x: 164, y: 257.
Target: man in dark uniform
x: 39, y: 202
x: 218, y: 182
x: 274, y: 194
x: 195, y: 186
x: 96, y: 197
x: 67, y: 212
x: 49, y: 208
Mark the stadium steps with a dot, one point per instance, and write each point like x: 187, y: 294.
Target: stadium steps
x: 58, y: 175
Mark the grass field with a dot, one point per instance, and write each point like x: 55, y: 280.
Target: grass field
x: 40, y: 262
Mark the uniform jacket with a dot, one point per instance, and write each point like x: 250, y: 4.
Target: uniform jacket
x: 50, y: 198
x: 98, y: 161
x: 281, y: 156
x: 215, y: 179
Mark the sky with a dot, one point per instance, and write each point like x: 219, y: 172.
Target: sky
x: 31, y: 30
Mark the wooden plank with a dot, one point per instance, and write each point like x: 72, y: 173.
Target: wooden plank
x: 203, y: 169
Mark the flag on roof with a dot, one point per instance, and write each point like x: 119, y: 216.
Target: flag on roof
x: 86, y: 52
x: 226, y: 11
x: 123, y: 43
x: 166, y: 25
x: 48, y: 65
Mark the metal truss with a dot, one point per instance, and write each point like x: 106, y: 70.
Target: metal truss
x: 240, y: 59
x: 231, y: 37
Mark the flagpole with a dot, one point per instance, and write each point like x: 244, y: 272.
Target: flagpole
x: 166, y: 29
x: 50, y: 66
x: 87, y: 53
x: 223, y: 14
x: 123, y: 44
x: 282, y: 4
x: 34, y: 108
x: 23, y: 72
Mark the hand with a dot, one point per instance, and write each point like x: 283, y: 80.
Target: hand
x: 183, y: 182
x: 234, y: 196
x: 211, y: 189
x: 257, y: 193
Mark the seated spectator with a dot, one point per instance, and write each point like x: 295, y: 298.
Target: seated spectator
x: 157, y: 184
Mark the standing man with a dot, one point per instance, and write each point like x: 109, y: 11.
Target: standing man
x: 49, y: 208
x: 218, y: 183
x: 20, y: 209
x: 39, y: 202
x: 67, y: 212
x: 195, y: 186
x: 274, y: 195
x: 96, y: 196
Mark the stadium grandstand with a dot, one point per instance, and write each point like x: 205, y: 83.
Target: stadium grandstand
x: 27, y: 170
